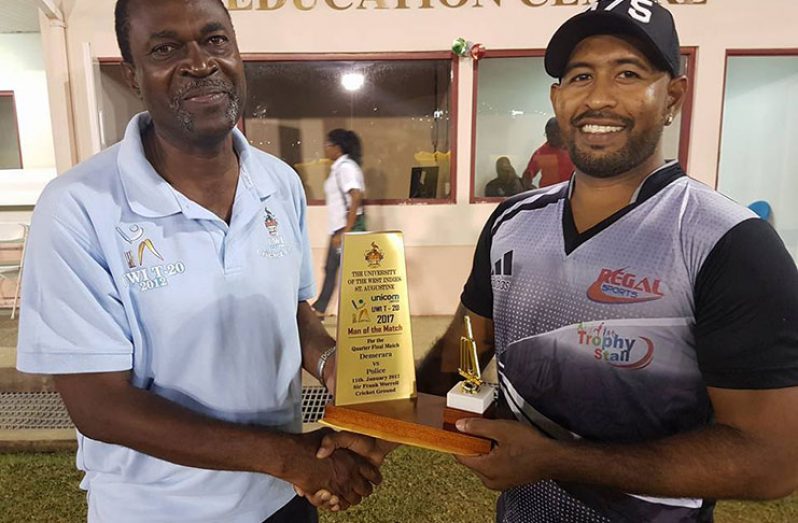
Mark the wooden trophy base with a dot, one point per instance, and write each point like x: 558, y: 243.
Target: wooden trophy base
x: 423, y: 421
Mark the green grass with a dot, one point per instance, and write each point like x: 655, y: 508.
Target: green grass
x: 40, y: 488
x: 419, y: 487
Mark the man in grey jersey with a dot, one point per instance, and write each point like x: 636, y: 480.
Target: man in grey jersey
x: 645, y: 327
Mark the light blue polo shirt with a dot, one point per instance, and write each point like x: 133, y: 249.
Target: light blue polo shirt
x: 124, y: 272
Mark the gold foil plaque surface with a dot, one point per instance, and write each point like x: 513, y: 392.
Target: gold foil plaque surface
x: 375, y: 360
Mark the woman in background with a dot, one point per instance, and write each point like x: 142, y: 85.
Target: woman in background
x: 343, y: 192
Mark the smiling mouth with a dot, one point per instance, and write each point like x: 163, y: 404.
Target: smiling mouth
x: 205, y: 97
x: 600, y: 129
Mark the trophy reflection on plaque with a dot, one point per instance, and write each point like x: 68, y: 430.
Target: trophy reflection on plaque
x: 375, y: 390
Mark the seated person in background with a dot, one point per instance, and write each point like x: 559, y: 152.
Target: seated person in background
x: 551, y: 160
x: 507, y: 182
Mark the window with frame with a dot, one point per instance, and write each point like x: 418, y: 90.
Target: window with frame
x: 511, y: 110
x: 758, y: 159
x: 10, y: 152
x: 401, y: 108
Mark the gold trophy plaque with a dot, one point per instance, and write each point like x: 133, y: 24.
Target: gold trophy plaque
x: 375, y: 384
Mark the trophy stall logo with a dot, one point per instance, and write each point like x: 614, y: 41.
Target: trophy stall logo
x: 614, y: 349
x: 142, y: 248
x: 638, y: 6
x: 374, y: 256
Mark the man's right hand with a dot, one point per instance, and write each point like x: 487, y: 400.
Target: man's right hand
x: 372, y: 449
x: 341, y: 480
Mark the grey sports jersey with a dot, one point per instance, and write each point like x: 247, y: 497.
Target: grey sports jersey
x: 594, y: 333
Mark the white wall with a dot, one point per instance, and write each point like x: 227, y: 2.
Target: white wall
x: 759, y: 158
x: 22, y: 66
x: 23, y: 72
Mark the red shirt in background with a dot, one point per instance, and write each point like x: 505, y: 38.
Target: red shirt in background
x: 554, y: 164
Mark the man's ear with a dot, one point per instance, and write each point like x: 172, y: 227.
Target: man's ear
x: 129, y: 72
x: 677, y: 94
x: 554, y: 92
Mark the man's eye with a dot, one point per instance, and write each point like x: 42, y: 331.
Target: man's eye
x: 218, y: 40
x: 580, y: 78
x: 163, y: 50
x: 629, y: 75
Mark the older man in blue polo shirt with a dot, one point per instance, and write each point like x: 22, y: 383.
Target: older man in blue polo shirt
x: 165, y: 290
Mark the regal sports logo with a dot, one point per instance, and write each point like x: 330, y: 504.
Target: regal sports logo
x: 616, y: 350
x: 619, y: 286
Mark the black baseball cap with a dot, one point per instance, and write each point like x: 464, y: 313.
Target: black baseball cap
x: 646, y: 20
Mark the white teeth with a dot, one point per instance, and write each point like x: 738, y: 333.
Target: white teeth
x: 600, y: 129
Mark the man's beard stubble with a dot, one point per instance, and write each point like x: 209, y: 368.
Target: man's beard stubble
x: 638, y: 149
x: 186, y: 119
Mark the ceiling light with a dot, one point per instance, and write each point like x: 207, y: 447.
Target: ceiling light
x: 352, y: 81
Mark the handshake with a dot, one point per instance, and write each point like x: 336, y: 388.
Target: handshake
x: 336, y: 470
x: 345, y: 471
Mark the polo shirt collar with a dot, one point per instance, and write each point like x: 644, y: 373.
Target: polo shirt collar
x: 253, y: 175
x: 149, y: 195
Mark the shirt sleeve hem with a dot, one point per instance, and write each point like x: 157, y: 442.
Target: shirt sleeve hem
x: 475, y: 306
x: 66, y: 363
x: 307, y: 293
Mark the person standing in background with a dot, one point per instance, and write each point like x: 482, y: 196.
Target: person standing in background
x: 343, y: 192
x: 551, y: 160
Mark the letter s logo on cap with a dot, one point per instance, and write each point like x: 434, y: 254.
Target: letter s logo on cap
x: 640, y: 10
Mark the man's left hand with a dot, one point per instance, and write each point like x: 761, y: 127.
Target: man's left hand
x: 519, y: 453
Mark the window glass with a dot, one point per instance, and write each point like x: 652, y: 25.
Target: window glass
x: 512, y: 110
x: 10, y: 157
x: 399, y: 109
x: 758, y: 158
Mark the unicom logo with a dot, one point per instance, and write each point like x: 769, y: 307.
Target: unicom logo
x: 614, y: 349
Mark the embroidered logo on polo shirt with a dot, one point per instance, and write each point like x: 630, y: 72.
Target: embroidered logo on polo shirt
x: 134, y: 235
x: 142, y: 249
x: 616, y: 349
x: 275, y: 244
x: 620, y: 286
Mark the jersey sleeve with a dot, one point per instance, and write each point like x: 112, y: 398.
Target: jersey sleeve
x: 746, y: 309
x: 477, y: 294
x: 71, y: 317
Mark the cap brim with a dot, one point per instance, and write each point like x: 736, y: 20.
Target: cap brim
x: 592, y: 23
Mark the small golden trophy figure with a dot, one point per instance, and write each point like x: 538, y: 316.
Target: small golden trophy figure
x: 472, y: 394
